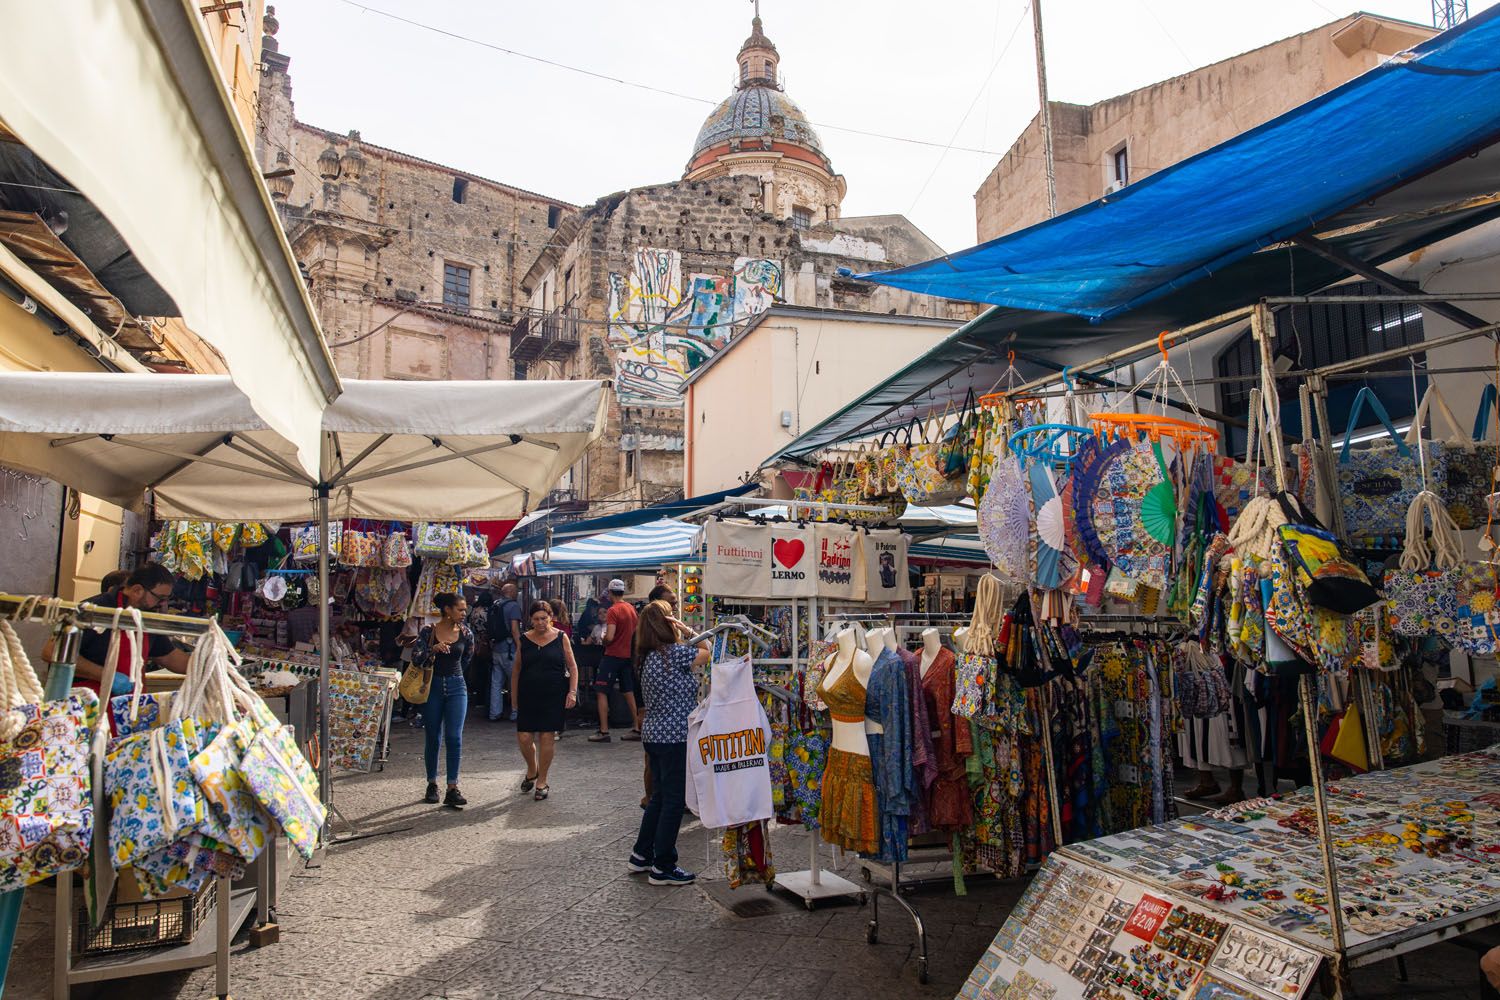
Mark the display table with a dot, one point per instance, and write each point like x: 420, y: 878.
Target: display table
x: 1232, y: 903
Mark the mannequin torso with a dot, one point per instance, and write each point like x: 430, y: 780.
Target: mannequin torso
x: 877, y: 641
x: 931, y: 645
x: 848, y: 736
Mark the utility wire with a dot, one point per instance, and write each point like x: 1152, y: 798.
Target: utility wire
x: 983, y: 89
x: 456, y: 36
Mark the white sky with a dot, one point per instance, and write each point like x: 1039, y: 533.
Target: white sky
x: 946, y: 75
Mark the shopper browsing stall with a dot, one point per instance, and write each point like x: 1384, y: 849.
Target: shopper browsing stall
x: 671, y: 691
x: 544, y: 684
x: 615, y: 666
x: 505, y: 634
x: 447, y: 645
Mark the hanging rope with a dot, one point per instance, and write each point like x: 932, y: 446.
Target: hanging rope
x: 1446, y: 548
x: 980, y: 639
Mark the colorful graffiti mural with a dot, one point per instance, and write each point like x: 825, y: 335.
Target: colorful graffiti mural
x: 661, y: 335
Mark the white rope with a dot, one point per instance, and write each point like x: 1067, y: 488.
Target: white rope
x: 1446, y: 548
x: 980, y: 639
x: 24, y: 682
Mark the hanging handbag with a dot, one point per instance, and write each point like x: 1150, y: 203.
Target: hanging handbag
x: 286, y: 786
x: 922, y: 481
x: 1476, y: 585
x: 396, y: 552
x: 1471, y: 468
x: 1376, y: 484
x: 1349, y: 743
x: 1324, y: 572
x: 957, y: 447
x: 46, y: 808
x: 432, y: 540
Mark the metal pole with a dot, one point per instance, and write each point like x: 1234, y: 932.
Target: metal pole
x: 1046, y: 108
x: 59, y: 682
x: 325, y: 782
x: 1052, y: 796
x: 814, y: 872
x: 1261, y: 328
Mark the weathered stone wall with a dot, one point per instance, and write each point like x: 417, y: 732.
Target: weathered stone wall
x: 1169, y: 121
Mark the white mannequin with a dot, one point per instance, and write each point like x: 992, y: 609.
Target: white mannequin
x: 958, y: 636
x: 875, y: 642
x: 848, y: 736
x: 932, y: 644
x: 890, y: 640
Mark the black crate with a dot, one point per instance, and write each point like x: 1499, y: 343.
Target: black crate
x: 152, y: 924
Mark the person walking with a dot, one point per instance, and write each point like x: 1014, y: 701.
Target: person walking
x: 505, y: 634
x: 544, y: 685
x: 560, y: 619
x: 670, y: 691
x: 478, y: 674
x: 615, y: 666
x: 447, y: 645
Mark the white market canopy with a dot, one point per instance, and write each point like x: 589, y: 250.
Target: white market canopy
x: 638, y: 547
x: 407, y: 451
x: 124, y: 99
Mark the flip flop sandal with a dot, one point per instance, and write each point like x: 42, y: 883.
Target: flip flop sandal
x: 542, y: 792
x: 529, y: 783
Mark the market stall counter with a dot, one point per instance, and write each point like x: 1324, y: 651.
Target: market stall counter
x: 1232, y: 904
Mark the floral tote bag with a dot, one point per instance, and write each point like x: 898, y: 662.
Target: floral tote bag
x: 1422, y: 602
x: 1478, y: 616
x: 46, y: 809
x: 919, y: 470
x: 1471, y: 469
x: 241, y: 823
x: 284, y: 783
x: 433, y: 539
x: 1377, y: 484
x: 189, y: 862
x: 971, y: 677
x: 152, y: 796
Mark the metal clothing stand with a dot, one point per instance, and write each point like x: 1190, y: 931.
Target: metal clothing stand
x: 231, y: 909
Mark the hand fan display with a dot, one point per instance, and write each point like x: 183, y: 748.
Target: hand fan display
x: 1005, y: 520
x: 1049, y: 538
x: 1135, y: 513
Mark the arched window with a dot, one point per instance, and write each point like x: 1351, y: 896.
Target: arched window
x: 744, y: 70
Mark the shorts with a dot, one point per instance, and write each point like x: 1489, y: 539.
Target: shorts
x: 612, y: 668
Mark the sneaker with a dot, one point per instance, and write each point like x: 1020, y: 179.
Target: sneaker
x: 637, y: 864
x: 432, y: 793
x: 599, y: 738
x: 674, y: 877
x: 454, y: 799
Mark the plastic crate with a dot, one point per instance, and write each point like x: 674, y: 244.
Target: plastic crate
x: 1467, y: 735
x: 149, y: 924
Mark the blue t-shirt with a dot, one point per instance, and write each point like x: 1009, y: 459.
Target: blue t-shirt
x: 670, y: 692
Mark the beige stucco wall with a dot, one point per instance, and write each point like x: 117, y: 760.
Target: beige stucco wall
x: 1170, y: 121
x: 810, y: 366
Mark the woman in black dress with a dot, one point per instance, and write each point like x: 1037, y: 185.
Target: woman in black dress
x: 544, y: 685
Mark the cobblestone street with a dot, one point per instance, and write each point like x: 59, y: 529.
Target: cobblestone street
x: 514, y: 899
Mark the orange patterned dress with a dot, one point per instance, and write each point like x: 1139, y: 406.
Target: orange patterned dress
x: 848, y: 815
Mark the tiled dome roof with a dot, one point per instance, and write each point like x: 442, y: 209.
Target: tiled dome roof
x: 757, y: 113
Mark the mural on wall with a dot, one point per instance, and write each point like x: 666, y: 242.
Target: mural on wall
x: 661, y: 335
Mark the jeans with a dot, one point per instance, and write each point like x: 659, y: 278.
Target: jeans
x: 443, y: 715
x: 501, y: 659
x: 657, y: 842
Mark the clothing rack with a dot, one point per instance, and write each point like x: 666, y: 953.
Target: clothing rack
x: 232, y: 908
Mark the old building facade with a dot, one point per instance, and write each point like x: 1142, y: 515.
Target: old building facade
x: 659, y: 279
x: 413, y: 266
x: 1100, y: 148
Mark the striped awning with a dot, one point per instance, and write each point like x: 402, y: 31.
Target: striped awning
x: 636, y: 548
x: 951, y: 548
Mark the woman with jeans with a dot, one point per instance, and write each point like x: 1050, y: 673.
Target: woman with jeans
x: 670, y: 692
x: 447, y: 647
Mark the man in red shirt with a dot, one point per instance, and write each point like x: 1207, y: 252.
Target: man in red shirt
x: 615, y: 665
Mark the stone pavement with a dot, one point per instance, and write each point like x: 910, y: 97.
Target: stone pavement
x: 512, y: 898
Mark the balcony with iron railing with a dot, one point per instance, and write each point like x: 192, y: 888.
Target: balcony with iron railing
x: 544, y: 336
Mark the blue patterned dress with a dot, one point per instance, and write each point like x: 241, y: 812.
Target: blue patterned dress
x: 888, y: 702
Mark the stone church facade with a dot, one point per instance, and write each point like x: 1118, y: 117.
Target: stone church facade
x: 419, y: 270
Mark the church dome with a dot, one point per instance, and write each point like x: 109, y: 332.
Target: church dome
x: 758, y: 116
x: 755, y: 117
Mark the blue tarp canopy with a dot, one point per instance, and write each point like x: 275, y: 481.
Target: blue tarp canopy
x: 1410, y: 115
x: 1192, y: 242
x: 641, y: 547
x: 522, y: 540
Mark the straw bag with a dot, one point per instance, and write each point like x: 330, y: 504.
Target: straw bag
x: 46, y: 808
x: 416, y: 680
